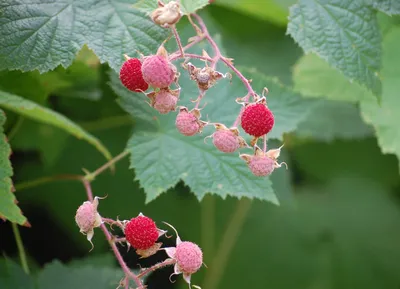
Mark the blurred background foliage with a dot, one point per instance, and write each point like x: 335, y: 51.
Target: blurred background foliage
x: 338, y: 225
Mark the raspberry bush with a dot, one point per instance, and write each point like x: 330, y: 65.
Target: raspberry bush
x: 208, y: 103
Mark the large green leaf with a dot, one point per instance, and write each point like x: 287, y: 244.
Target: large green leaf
x: 42, y: 114
x: 44, y: 34
x: 312, y: 76
x: 334, y: 120
x: 8, y: 207
x: 161, y: 156
x: 345, y: 33
x: 386, y: 117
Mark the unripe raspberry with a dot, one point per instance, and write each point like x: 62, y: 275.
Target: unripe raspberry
x: 87, y: 216
x: 141, y: 232
x: 227, y: 140
x: 257, y: 120
x: 131, y: 75
x: 189, y: 257
x: 164, y: 100
x: 262, y: 164
x: 157, y: 70
x: 188, y: 122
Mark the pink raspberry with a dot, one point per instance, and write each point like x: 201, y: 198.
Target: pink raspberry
x: 164, y: 100
x: 189, y: 257
x: 87, y: 217
x: 141, y: 232
x: 227, y: 140
x: 188, y: 122
x: 257, y: 120
x: 261, y: 166
x: 157, y: 70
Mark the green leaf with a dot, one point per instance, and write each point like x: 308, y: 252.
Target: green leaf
x: 385, y: 118
x: 8, y: 207
x: 34, y: 111
x: 312, y: 76
x: 44, y: 34
x: 334, y: 120
x: 187, y: 6
x: 270, y: 10
x: 344, y: 33
x: 389, y: 7
x: 57, y: 275
x: 12, y: 276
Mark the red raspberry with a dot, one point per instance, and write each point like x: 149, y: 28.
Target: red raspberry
x: 131, y: 75
x: 189, y: 257
x: 158, y: 71
x: 257, y: 120
x: 141, y: 232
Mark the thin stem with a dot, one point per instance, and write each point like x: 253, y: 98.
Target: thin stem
x: 237, y: 120
x: 45, y: 180
x: 155, y: 267
x: 112, y: 244
x: 126, y: 282
x: 91, y: 176
x: 189, y: 55
x: 264, y: 143
x: 198, y: 100
x: 218, y: 55
x: 21, y: 249
x: 227, y: 244
x: 194, y: 41
x: 208, y: 225
x: 15, y: 128
x: 178, y: 41
x: 111, y: 222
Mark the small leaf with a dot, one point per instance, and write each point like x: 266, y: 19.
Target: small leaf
x: 8, y: 207
x: 386, y: 117
x: 42, y: 114
x: 12, y: 276
x: 43, y: 34
x: 344, y: 33
x: 313, y: 77
x: 57, y: 275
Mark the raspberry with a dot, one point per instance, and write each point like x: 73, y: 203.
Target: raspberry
x: 131, y: 75
x: 189, y: 257
x: 87, y: 216
x: 257, y: 120
x: 261, y: 166
x: 141, y: 232
x: 164, y: 100
x: 188, y: 123
x: 157, y: 70
x: 227, y: 140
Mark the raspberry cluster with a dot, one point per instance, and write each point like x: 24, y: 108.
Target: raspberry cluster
x: 142, y: 234
x: 158, y: 72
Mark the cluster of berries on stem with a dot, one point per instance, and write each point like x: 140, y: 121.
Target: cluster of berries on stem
x: 142, y: 234
x: 159, y: 73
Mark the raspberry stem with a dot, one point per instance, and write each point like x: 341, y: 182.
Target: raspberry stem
x: 155, y: 267
x: 178, y: 41
x: 110, y: 239
x: 264, y: 143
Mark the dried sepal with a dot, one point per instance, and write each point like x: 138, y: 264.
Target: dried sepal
x: 167, y: 15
